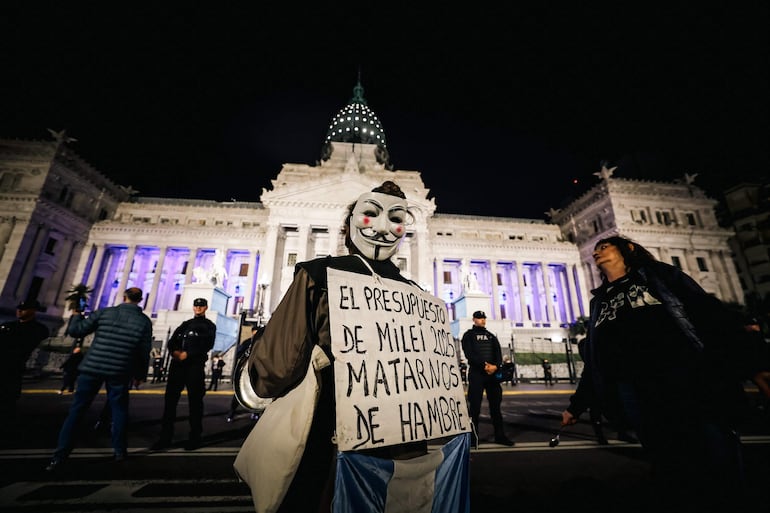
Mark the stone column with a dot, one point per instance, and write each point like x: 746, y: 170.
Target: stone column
x: 267, y: 263
x: 302, y: 243
x: 423, y: 258
x: 30, y: 262
x: 495, y: 295
x: 522, y: 291
x: 191, y: 256
x: 249, y: 294
x: 577, y: 288
x: 54, y: 289
x: 96, y: 263
x: 550, y: 311
x: 152, y: 301
x: 130, y: 252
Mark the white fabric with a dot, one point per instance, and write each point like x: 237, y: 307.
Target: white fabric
x: 411, y: 487
x: 270, y: 455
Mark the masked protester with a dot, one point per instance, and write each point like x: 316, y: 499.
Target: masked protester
x: 375, y: 226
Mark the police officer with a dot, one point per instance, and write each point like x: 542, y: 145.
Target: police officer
x: 482, y: 349
x: 18, y: 340
x: 189, y: 347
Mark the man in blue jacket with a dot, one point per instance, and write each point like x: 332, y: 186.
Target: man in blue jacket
x: 118, y: 358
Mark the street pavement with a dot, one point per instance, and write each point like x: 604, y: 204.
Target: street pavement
x: 577, y: 475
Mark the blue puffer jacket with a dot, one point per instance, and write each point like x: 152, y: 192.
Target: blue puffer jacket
x: 121, y: 345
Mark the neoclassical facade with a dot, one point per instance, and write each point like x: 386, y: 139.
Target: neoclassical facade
x: 676, y: 221
x: 63, y: 223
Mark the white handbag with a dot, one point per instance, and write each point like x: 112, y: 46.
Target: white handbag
x: 270, y: 455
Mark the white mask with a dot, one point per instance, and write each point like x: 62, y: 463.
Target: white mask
x: 377, y: 224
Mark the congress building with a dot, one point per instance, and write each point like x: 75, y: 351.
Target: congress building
x: 63, y: 223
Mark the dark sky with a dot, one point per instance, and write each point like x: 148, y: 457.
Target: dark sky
x: 501, y: 108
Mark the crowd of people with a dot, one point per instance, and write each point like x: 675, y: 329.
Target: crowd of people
x: 644, y: 308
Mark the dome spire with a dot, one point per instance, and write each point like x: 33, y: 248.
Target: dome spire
x: 356, y: 123
x: 358, y: 91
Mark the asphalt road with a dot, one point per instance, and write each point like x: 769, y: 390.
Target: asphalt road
x: 577, y: 475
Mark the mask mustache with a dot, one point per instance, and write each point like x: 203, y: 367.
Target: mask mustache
x: 378, y: 236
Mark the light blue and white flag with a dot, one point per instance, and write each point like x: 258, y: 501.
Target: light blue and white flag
x: 438, y: 482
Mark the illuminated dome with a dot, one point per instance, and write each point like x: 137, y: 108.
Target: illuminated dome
x: 356, y: 123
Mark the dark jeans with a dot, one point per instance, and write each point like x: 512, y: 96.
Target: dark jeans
x: 215, y: 377
x: 478, y: 384
x: 88, y: 386
x: 181, y: 376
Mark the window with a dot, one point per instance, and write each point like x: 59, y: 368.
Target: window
x: 291, y: 260
x: 677, y: 263
x: 447, y: 277
x: 701, y: 264
x: 50, y: 245
x: 690, y: 218
x: 639, y: 216
x: 244, y: 270
x: 6, y: 182
x: 401, y: 262
x: 664, y: 217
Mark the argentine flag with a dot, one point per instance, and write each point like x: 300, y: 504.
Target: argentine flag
x: 435, y: 483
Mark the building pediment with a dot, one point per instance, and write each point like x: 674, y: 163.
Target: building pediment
x: 298, y: 185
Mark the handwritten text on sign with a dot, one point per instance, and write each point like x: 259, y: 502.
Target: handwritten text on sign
x: 396, y: 368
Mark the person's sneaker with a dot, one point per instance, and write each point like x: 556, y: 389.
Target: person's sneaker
x: 53, y: 464
x: 504, y: 440
x: 160, y: 445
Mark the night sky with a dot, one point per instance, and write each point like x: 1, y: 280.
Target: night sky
x: 506, y: 110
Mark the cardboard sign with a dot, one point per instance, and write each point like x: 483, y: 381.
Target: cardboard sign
x: 396, y: 366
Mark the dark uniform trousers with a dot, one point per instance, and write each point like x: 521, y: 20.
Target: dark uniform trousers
x: 191, y: 375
